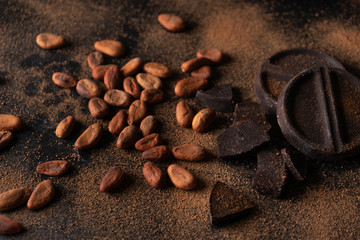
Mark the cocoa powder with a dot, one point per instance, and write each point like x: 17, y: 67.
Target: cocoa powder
x: 247, y: 33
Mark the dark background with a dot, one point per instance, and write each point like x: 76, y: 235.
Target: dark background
x: 326, y: 206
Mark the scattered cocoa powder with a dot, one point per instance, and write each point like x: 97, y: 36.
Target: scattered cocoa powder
x: 326, y: 207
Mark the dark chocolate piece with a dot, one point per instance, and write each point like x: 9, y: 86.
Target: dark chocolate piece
x: 251, y: 111
x: 281, y: 67
x: 218, y: 98
x: 240, y: 139
x: 318, y: 113
x: 295, y: 163
x: 227, y: 204
x: 271, y: 172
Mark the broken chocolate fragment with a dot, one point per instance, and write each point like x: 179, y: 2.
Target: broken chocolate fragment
x: 251, y: 111
x: 271, y: 172
x: 218, y: 98
x: 240, y: 138
x: 227, y: 204
x: 296, y: 163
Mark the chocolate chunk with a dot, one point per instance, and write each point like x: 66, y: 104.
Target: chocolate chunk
x: 240, y: 138
x: 218, y: 98
x: 295, y: 163
x: 251, y: 111
x: 227, y: 204
x: 281, y: 67
x: 318, y: 113
x: 271, y: 172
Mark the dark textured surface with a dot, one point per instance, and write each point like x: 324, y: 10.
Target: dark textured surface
x: 326, y: 206
x: 271, y: 173
x: 251, y: 111
x: 227, y: 204
x: 218, y: 98
x: 242, y: 138
x: 330, y: 128
x: 283, y: 66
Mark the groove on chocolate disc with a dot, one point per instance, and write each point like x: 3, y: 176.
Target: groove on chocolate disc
x: 331, y: 110
x: 321, y: 98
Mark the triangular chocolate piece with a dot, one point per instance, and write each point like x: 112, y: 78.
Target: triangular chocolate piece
x: 227, y: 204
x: 251, y: 111
x: 240, y: 139
x: 271, y: 172
x: 218, y: 98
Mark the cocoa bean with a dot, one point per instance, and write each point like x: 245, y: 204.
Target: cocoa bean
x: 9, y: 226
x: 65, y: 127
x: 117, y: 98
x: 88, y: 88
x: 50, y: 41
x: 112, y: 179
x: 118, y: 122
x: 203, y: 119
x: 53, y: 168
x: 131, y: 86
x: 203, y: 72
x: 189, y: 152
x: 90, y: 137
x: 98, y: 108
x: 112, y: 78
x: 184, y: 114
x: 158, y: 153
x: 194, y: 64
x: 10, y: 122
x: 42, y: 195
x: 154, y: 175
x: 148, y: 142
x: 128, y: 136
x: 14, y: 198
x: 138, y: 110
x: 148, y: 125
x: 157, y: 69
x: 132, y: 67
x: 95, y: 59
x: 171, y: 22
x: 110, y: 47
x: 148, y: 81
x: 6, y: 138
x: 98, y: 72
x: 181, y: 177
x: 152, y: 96
x: 63, y: 80
x: 187, y: 87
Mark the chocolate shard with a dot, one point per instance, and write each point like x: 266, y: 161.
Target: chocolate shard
x: 271, y: 172
x: 227, y: 204
x: 296, y: 163
x: 240, y: 139
x: 251, y: 111
x: 219, y: 98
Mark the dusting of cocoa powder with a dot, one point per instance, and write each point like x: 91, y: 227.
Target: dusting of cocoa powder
x: 325, y: 207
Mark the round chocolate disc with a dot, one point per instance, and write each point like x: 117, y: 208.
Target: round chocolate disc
x: 281, y: 67
x: 319, y: 113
